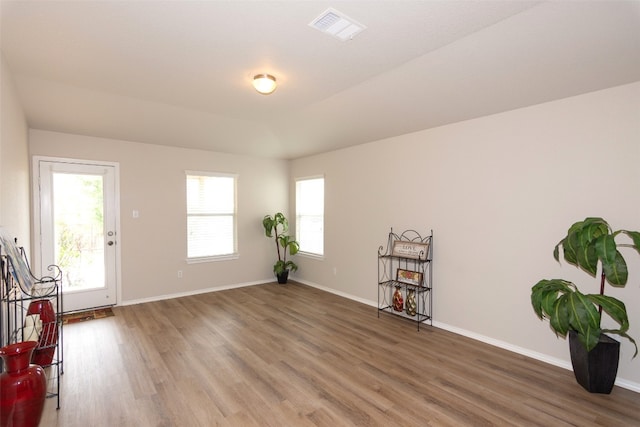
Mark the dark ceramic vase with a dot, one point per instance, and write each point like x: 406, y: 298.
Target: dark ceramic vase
x: 23, y: 387
x: 597, y: 369
x: 43, y: 354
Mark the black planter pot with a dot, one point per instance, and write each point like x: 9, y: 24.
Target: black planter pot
x: 283, y: 277
x: 597, y: 369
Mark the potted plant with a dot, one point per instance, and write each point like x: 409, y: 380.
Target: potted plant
x: 594, y: 355
x: 276, y: 226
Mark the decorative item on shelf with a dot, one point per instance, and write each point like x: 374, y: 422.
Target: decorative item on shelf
x: 398, y: 302
x: 410, y: 250
x: 23, y: 387
x: 411, y: 307
x: 409, y: 277
x: 594, y: 355
x: 32, y: 328
x: 16, y: 262
x: 275, y: 226
x: 44, y: 352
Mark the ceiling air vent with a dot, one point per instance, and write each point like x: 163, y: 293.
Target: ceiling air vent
x: 337, y: 24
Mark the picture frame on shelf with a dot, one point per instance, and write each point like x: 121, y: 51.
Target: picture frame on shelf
x: 17, y: 265
x: 412, y: 250
x: 409, y: 277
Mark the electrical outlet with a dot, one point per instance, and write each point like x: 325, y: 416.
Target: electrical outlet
x: 179, y: 274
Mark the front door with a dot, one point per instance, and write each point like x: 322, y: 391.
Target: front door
x: 76, y: 220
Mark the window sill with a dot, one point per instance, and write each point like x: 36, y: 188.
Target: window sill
x: 311, y: 255
x: 199, y: 260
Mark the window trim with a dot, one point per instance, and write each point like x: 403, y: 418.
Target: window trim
x: 222, y: 257
x: 302, y: 252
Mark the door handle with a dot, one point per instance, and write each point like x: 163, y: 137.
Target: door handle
x: 110, y: 243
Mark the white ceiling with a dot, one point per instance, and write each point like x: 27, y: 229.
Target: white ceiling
x: 179, y: 72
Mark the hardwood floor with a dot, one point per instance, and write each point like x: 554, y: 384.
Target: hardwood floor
x: 292, y: 355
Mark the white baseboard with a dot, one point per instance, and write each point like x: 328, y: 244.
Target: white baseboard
x: 630, y: 385
x: 621, y: 382
x: 336, y: 292
x: 196, y: 292
x: 505, y: 345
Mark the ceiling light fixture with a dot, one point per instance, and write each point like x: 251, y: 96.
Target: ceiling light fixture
x: 264, y: 83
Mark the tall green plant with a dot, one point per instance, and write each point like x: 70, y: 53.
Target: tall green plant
x: 587, y: 244
x: 276, y: 226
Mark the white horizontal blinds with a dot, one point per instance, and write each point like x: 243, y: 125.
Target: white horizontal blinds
x: 210, y: 215
x: 310, y: 215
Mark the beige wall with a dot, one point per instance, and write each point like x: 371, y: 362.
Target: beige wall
x: 499, y: 192
x: 152, y: 181
x: 14, y: 162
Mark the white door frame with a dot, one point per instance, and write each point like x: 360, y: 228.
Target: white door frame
x: 38, y: 268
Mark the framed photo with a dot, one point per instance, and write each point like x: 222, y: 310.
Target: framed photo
x: 409, y: 277
x: 413, y: 250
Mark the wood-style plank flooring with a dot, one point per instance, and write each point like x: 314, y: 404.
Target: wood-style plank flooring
x: 292, y: 355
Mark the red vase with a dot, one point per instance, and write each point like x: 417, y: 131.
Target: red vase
x: 398, y: 301
x: 43, y: 354
x: 23, y: 387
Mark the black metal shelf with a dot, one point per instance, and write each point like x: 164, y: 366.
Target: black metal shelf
x: 410, y: 255
x: 17, y: 299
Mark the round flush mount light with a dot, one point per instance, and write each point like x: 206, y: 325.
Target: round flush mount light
x: 264, y: 83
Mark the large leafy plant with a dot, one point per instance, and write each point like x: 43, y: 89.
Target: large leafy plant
x: 587, y: 244
x: 276, y: 226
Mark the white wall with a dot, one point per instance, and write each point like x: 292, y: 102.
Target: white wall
x: 152, y: 181
x: 14, y: 161
x: 499, y: 192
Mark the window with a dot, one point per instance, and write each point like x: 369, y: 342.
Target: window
x: 211, y: 215
x: 310, y: 215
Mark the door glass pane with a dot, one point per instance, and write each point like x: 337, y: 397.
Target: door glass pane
x: 79, y: 230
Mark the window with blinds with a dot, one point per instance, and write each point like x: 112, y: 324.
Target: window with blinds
x: 211, y: 215
x: 310, y: 215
